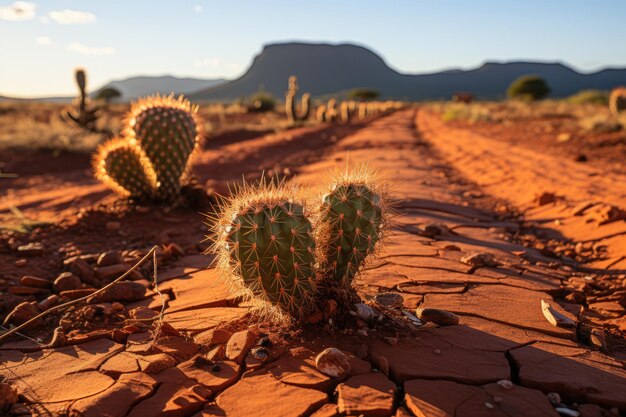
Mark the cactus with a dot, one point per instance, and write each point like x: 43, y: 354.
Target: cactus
x: 617, y: 102
x: 290, y: 102
x: 84, y: 115
x: 124, y: 167
x: 264, y: 244
x: 320, y: 114
x: 166, y: 129
x: 151, y: 161
x: 344, y: 111
x: 353, y: 217
x: 331, y: 110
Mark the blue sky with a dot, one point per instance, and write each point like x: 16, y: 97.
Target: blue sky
x: 43, y: 41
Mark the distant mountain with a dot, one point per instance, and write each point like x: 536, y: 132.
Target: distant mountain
x: 324, y: 69
x: 134, y: 87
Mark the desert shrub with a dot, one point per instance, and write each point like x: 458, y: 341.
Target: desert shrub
x: 107, y: 94
x: 529, y: 88
x: 261, y: 102
x: 363, y: 94
x: 469, y: 112
x: 598, y: 97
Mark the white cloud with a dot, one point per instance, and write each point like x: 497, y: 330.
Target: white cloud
x: 18, y: 11
x: 72, y: 17
x: 89, y: 50
x: 208, y: 63
x: 44, y: 40
x: 44, y: 20
x: 198, y: 8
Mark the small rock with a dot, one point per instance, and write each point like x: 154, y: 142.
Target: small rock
x: 260, y: 353
x: 392, y: 340
x: 8, y: 396
x: 21, y: 262
x: 143, y: 313
x: 112, y: 226
x: 598, y: 339
x: 48, y: 302
x: 117, y: 306
x: 564, y: 411
x: 110, y: 272
x: 333, y: 362
x: 563, y: 137
x: 577, y: 297
x: 24, y: 290
x: 175, y: 250
x: 76, y: 294
x: 239, y: 344
x: 111, y: 257
x: 362, y: 332
x: 20, y: 410
x: 122, y: 291
x: 489, y: 405
x: 389, y: 299
x: 81, y: 269
x: 480, y: 259
x: 554, y: 398
x: 545, y: 198
x: 435, y: 229
x: 31, y: 281
x: 66, y: 281
x: 22, y: 313
x: 153, y: 364
x: 554, y: 317
x: 437, y: 316
x: 30, y: 249
x: 58, y: 338
x: 506, y: 384
x: 365, y: 311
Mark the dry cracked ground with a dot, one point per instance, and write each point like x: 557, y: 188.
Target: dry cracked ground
x: 540, y: 298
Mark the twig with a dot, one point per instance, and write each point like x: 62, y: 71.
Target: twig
x: 85, y: 298
x: 155, y: 281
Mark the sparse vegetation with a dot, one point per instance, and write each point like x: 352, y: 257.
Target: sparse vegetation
x: 107, y: 94
x: 598, y: 97
x: 261, y: 102
x: 363, y: 94
x: 528, y: 88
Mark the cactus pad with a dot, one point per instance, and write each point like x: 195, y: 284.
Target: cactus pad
x: 167, y: 131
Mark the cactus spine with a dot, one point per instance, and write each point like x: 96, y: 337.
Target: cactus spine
x: 290, y: 102
x: 159, y: 139
x: 264, y: 243
x: 354, y: 215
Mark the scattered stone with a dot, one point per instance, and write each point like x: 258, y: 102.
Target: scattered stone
x: 66, y: 281
x: 30, y: 249
x: 58, y: 338
x: 577, y: 297
x: 437, y: 316
x: 362, y: 332
x: 22, y: 313
x: 545, y: 198
x: 392, y: 340
x: 597, y: 338
x: 110, y: 272
x: 20, y: 410
x: 479, y: 260
x: 368, y: 394
x: 24, y: 290
x: 413, y: 318
x: 21, y: 262
x: 8, y: 396
x: 175, y: 250
x: 333, y: 362
x: 256, y: 358
x: 554, y: 398
x: 76, y: 294
x: 213, y: 337
x: 48, y: 302
x: 31, y: 281
x: 365, y: 311
x: 111, y: 257
x: 389, y: 299
x: 506, y: 384
x: 239, y: 344
x: 112, y: 226
x: 435, y: 229
x: 81, y: 268
x: 554, y: 317
x: 564, y: 411
x: 122, y: 291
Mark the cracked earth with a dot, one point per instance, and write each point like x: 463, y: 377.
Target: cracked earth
x: 454, y: 246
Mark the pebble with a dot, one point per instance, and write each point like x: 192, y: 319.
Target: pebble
x: 362, y: 332
x: 21, y: 262
x: 24, y: 290
x: 66, y: 281
x: 111, y: 257
x: 260, y: 353
x: 32, y: 281
x: 489, y: 405
x: 554, y: 398
x: 435, y: 229
x: 392, y: 340
x: 48, y: 302
x: 75, y: 294
x: 480, y: 259
x: 239, y: 344
x: 564, y: 411
x: 434, y: 315
x: 110, y: 272
x: 31, y: 249
x: 22, y: 312
x: 333, y: 362
x: 389, y: 299
x: 8, y: 396
x: 81, y: 269
x: 554, y: 317
x: 365, y: 311
x: 598, y: 339
x: 122, y: 291
x: 506, y: 384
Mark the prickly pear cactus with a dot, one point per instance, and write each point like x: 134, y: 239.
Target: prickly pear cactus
x: 124, y: 167
x: 265, y: 244
x: 166, y: 130
x: 353, y: 216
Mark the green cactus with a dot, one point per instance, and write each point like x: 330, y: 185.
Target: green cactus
x: 124, y: 167
x: 290, y: 102
x: 265, y: 244
x: 354, y: 215
x: 167, y: 132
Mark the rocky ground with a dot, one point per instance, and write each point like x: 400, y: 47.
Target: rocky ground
x: 499, y: 292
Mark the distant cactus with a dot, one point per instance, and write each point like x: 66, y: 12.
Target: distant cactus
x: 331, y: 110
x: 290, y: 102
x: 265, y: 245
x: 355, y: 212
x: 84, y: 115
x: 617, y: 102
x: 344, y: 111
x: 152, y: 159
x: 320, y: 114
